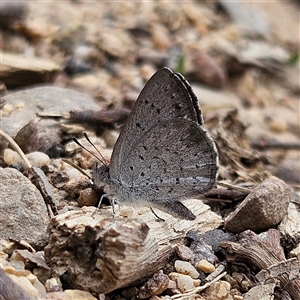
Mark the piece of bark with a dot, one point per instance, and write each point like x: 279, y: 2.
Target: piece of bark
x: 265, y: 253
x: 289, y: 227
x: 261, y: 292
x: 101, y: 120
x: 40, y: 180
x: 34, y: 258
x: 102, y: 253
x: 17, y: 70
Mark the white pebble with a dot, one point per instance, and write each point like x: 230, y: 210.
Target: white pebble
x: 185, y: 283
x: 20, y: 105
x: 7, y: 109
x: 11, y: 157
x: 185, y: 267
x: 38, y: 159
x: 73, y: 173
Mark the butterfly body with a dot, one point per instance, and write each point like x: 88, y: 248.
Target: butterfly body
x: 163, y: 153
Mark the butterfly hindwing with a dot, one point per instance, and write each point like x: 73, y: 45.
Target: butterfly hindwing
x: 165, y: 164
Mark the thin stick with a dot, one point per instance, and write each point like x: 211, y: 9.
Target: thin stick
x: 234, y: 187
x: 198, y: 289
x: 77, y: 168
x: 16, y: 147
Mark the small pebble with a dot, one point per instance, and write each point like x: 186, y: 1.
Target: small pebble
x: 185, y: 267
x: 7, y: 109
x: 172, y: 285
x: 11, y: 157
x: 205, y: 266
x: 197, y: 282
x: 218, y: 291
x: 237, y: 276
x: 73, y: 173
x: 53, y: 285
x: 278, y: 126
x: 38, y: 159
x: 154, y: 286
x: 237, y: 297
x: 7, y: 246
x: 20, y: 105
x: 184, y: 252
x: 185, y: 283
x: 174, y: 276
x: 172, y: 288
x: 18, y: 265
x: 88, y: 197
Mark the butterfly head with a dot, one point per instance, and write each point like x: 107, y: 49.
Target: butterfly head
x: 100, y: 176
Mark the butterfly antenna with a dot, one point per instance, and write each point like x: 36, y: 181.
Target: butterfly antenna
x: 88, y: 139
x: 102, y: 159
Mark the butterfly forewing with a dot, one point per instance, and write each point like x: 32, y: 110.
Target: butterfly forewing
x: 164, y: 97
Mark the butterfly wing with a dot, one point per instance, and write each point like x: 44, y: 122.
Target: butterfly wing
x: 163, y: 153
x: 166, y: 96
x: 174, y: 159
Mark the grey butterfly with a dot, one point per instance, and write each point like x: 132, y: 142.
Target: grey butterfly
x: 163, y: 153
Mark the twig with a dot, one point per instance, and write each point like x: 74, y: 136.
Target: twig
x: 39, y: 178
x: 16, y: 147
x: 77, y: 168
x: 198, y: 289
x: 234, y: 187
x: 273, y: 145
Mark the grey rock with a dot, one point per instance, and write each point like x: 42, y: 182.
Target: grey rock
x: 263, y: 208
x: 46, y: 100
x: 23, y: 212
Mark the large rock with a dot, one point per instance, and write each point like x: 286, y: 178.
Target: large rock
x: 262, y: 209
x: 43, y: 99
x: 23, y: 212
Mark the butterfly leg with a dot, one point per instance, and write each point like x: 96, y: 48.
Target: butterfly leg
x: 111, y: 200
x: 173, y: 207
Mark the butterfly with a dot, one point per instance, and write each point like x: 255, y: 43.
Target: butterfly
x: 163, y: 154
